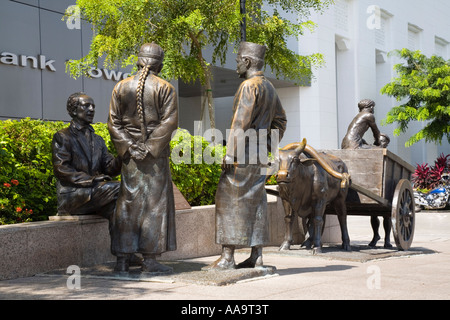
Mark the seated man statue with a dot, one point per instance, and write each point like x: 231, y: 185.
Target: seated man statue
x: 82, y: 164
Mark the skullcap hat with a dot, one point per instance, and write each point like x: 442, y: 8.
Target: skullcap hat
x: 253, y: 50
x: 151, y: 50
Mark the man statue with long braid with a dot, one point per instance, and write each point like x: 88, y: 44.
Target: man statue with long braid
x: 143, y: 114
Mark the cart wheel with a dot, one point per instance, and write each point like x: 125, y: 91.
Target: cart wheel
x: 403, y: 215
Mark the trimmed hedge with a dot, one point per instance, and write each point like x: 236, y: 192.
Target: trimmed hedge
x: 196, y: 178
x: 28, y: 185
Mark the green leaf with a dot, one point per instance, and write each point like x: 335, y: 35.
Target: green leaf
x: 424, y: 84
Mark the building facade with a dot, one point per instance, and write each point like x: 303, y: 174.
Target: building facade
x: 355, y: 37
x: 34, y: 45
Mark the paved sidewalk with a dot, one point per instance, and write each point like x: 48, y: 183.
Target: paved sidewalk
x: 422, y: 275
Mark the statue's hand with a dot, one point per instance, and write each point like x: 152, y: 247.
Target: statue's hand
x: 137, y: 152
x: 102, y: 178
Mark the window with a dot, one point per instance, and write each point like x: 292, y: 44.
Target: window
x: 342, y: 16
x: 441, y: 47
x: 383, y: 32
x: 414, y: 33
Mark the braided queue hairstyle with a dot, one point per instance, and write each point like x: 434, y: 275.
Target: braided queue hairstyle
x: 140, y: 98
x: 149, y: 59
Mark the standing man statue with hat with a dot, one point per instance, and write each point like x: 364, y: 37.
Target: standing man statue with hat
x: 143, y: 114
x: 241, y: 199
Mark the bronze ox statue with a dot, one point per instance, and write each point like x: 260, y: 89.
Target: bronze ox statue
x: 308, y: 181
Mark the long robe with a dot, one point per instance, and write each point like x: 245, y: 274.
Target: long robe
x: 241, y: 199
x: 144, y: 219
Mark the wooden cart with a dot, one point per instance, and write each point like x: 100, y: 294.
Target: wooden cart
x: 380, y: 186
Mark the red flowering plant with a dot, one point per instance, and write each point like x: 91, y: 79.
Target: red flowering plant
x: 427, y: 178
x: 27, y: 183
x: 444, y: 162
x: 12, y: 206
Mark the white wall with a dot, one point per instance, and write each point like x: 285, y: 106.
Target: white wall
x: 357, y: 66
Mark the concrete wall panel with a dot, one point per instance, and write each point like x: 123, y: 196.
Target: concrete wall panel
x: 59, y: 43
x: 20, y: 87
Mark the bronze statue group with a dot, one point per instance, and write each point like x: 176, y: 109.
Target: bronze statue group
x: 140, y: 207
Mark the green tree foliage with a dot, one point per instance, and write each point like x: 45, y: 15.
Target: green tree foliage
x: 184, y: 28
x: 422, y: 86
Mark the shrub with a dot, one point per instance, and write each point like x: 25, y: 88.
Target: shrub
x: 27, y: 182
x: 27, y: 191
x: 422, y: 176
x: 426, y: 177
x: 28, y: 185
x: 195, y: 166
x: 444, y: 162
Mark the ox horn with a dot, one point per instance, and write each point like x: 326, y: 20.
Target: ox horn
x: 300, y: 146
x: 303, y: 146
x: 344, y: 176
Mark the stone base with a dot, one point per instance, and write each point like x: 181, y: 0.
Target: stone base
x: 34, y: 247
x: 187, y: 272
x: 75, y: 218
x: 84, y: 240
x: 360, y: 253
x: 134, y: 274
